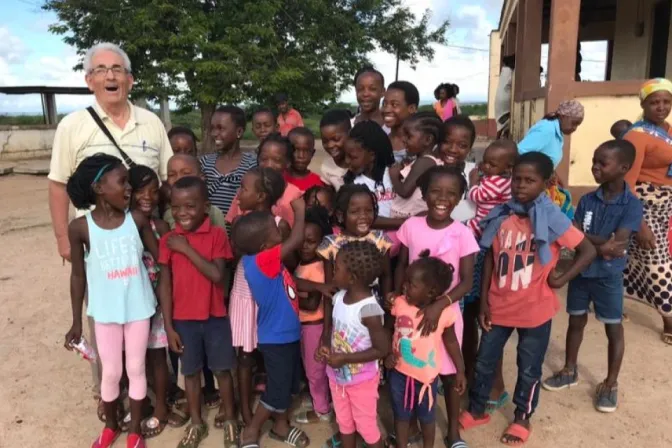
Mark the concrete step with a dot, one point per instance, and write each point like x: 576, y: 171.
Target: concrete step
x: 39, y: 167
x: 6, y: 168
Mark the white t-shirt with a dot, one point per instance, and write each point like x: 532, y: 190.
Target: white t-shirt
x: 466, y: 209
x: 384, y: 193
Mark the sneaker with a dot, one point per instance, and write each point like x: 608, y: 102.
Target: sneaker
x: 561, y: 380
x: 606, y: 399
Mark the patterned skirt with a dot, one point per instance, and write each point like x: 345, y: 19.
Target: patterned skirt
x: 243, y: 313
x: 648, y: 276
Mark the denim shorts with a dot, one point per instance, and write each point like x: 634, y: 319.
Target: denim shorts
x: 282, y: 362
x: 606, y: 293
x: 405, y: 394
x: 211, y: 338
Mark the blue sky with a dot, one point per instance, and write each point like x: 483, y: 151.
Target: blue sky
x: 30, y: 55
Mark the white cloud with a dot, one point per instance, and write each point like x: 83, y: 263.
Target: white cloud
x: 12, y: 49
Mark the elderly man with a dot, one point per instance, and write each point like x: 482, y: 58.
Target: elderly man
x: 138, y: 132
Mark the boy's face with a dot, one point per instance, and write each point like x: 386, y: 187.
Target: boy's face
x: 224, y: 131
x: 395, y: 108
x: 183, y: 144
x: 496, y: 161
x: 369, y: 88
x: 312, y: 237
x: 527, y: 183
x: 263, y: 124
x: 283, y: 107
x: 248, y: 195
x: 188, y: 207
x: 274, y: 156
x: 179, y: 167
x: 304, y: 149
x: 607, y: 166
x: 333, y: 140
x: 456, y: 145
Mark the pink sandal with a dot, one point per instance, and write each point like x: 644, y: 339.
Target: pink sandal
x: 518, y: 431
x: 467, y: 421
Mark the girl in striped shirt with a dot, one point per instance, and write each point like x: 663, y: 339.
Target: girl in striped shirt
x: 491, y: 183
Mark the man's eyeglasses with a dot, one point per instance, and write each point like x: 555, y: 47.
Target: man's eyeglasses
x: 101, y: 70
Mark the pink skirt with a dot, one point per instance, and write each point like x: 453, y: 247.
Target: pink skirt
x: 447, y: 364
x: 243, y: 313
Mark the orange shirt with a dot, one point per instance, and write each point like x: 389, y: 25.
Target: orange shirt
x: 653, y: 158
x: 286, y: 122
x: 282, y: 208
x: 519, y: 293
x: 315, y: 273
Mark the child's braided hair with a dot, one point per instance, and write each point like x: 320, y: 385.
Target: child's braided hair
x: 436, y: 273
x: 269, y: 182
x: 345, y: 194
x: 363, y: 260
x: 319, y: 216
x: 90, y: 171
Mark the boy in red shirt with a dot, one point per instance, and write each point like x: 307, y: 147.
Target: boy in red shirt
x: 298, y: 173
x: 191, y: 289
x: 524, y: 236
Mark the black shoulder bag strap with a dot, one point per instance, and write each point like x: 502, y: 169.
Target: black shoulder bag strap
x: 129, y: 162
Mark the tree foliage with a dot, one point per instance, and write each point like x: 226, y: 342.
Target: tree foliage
x: 208, y: 52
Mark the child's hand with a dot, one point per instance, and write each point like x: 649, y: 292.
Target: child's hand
x: 474, y: 177
x: 73, y: 335
x: 327, y: 289
x: 460, y: 383
x: 555, y: 280
x: 613, y: 248
x: 484, y: 318
x: 389, y: 300
x: 645, y: 237
x: 322, y: 354
x: 178, y: 243
x: 336, y: 360
x: 430, y: 318
x: 298, y: 204
x: 174, y: 341
x: 390, y: 361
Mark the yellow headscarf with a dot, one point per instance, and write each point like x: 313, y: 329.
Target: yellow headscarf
x: 654, y: 85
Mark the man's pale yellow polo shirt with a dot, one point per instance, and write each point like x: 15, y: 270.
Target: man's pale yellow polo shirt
x: 143, y: 138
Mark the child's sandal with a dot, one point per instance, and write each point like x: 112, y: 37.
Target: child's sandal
x: 193, y: 436
x: 295, y: 437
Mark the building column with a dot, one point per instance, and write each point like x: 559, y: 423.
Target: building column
x: 563, y: 39
x: 49, y: 108
x: 528, y: 46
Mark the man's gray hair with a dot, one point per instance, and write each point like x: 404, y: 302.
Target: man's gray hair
x: 105, y: 46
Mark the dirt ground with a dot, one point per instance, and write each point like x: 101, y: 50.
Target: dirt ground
x: 45, y: 399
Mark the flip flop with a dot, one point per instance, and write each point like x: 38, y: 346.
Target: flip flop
x: 666, y: 338
x: 493, y: 405
x: 456, y: 444
x: 193, y: 436
x: 135, y: 441
x: 519, y: 431
x: 467, y: 421
x: 295, y: 437
x: 177, y: 417
x: 152, y: 427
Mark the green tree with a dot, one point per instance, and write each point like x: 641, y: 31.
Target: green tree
x: 208, y: 52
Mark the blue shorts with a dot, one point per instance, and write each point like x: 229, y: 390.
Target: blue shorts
x: 211, y: 338
x: 283, y: 367
x: 606, y: 293
x: 404, y: 388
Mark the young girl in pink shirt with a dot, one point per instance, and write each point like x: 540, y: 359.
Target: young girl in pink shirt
x: 415, y: 362
x: 451, y: 241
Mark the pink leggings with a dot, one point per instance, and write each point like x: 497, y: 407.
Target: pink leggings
x: 113, y: 340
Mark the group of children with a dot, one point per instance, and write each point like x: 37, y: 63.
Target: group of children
x: 356, y: 280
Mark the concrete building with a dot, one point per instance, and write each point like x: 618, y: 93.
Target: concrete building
x: 638, y: 36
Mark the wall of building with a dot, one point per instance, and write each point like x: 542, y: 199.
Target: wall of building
x: 601, y: 113
x: 26, y: 142
x: 495, y: 62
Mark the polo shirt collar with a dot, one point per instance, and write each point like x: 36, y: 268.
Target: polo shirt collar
x: 203, y: 228
x: 133, y: 118
x: 622, y: 198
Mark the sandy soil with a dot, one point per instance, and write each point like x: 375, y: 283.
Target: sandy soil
x: 45, y: 399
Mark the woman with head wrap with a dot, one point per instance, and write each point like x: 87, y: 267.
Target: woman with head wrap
x: 548, y: 136
x: 648, y: 276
